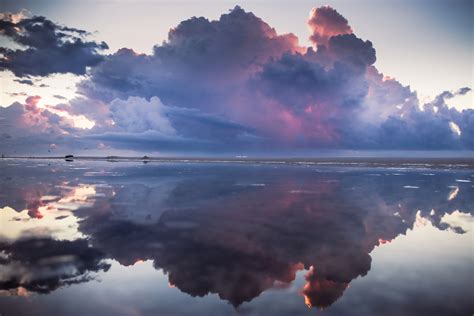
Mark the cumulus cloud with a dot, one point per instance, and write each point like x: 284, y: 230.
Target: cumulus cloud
x: 324, y: 23
x: 239, y: 68
x: 32, y: 127
x: 149, y: 124
x: 236, y: 83
x: 46, y: 47
x: 302, y: 81
x: 21, y: 118
x: 138, y: 115
x: 199, y: 66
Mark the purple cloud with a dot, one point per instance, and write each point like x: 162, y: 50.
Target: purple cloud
x: 235, y: 84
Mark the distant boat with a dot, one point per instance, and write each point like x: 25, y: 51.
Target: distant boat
x: 69, y: 157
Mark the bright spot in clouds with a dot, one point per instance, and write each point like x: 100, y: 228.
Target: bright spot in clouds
x: 455, y: 128
x: 54, y: 89
x: 77, y: 121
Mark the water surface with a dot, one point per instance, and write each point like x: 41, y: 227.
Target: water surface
x: 171, y: 238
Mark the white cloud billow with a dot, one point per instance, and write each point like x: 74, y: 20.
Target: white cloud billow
x: 136, y: 115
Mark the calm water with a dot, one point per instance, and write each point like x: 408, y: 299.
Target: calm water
x: 102, y: 238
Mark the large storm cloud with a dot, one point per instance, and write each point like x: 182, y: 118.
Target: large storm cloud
x: 233, y: 85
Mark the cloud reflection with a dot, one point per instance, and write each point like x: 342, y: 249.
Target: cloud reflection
x: 211, y: 234
x: 42, y: 264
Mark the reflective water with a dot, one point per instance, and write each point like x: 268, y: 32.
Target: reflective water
x: 103, y: 238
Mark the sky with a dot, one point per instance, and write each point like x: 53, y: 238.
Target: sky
x: 291, y: 77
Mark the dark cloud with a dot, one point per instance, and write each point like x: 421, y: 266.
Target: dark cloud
x: 321, y: 89
x: 42, y: 264
x: 433, y: 126
x: 301, y: 81
x: 25, y: 81
x: 320, y: 292
x: 352, y: 50
x: 48, y: 48
x: 206, y: 126
x: 18, y: 94
x: 237, y: 42
x: 151, y: 125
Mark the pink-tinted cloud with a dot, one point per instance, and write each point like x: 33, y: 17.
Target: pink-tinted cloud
x: 324, y: 23
x: 235, y: 84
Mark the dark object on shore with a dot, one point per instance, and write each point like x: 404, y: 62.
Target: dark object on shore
x: 112, y: 158
x: 145, y: 157
x: 69, y: 157
x: 3, y: 155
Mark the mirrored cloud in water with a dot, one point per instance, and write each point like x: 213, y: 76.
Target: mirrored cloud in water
x: 211, y: 235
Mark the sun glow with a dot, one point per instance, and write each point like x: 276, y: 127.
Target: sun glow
x: 78, y: 121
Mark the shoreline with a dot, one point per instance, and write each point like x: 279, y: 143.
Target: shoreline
x: 419, y: 162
